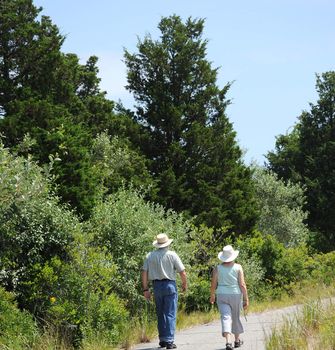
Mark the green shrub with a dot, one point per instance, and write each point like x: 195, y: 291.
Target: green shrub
x: 127, y: 225
x: 34, y: 227
x: 197, y: 298
x: 109, y: 320
x: 321, y: 268
x: 17, y: 328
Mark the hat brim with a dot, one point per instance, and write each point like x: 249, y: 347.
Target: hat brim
x: 230, y: 258
x: 162, y: 245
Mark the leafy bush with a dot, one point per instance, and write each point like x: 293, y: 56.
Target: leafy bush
x: 281, y: 208
x: 109, y: 320
x: 127, y: 225
x: 321, y: 268
x: 206, y: 244
x: 34, y: 227
x: 118, y: 164
x: 17, y: 328
x: 197, y: 298
x: 282, y: 267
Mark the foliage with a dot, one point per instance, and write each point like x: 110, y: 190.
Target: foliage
x: 118, y: 164
x: 197, y: 299
x: 280, y: 207
x: 273, y: 268
x: 321, y: 268
x: 33, y: 226
x: 190, y: 141
x: 307, y: 155
x: 76, y: 296
x: 17, y: 328
x: 49, y: 95
x: 127, y: 225
x: 206, y: 246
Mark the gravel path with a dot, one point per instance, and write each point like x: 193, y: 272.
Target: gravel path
x: 208, y: 336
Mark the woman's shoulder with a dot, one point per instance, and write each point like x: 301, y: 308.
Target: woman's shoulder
x: 238, y: 267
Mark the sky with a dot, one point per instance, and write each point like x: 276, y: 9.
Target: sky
x: 270, y: 49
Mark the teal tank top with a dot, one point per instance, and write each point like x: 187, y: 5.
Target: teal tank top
x: 228, y: 279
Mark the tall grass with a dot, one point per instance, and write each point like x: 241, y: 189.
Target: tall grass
x: 311, y: 328
x: 301, y: 294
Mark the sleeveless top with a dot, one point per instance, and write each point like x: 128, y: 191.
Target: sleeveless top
x: 228, y: 282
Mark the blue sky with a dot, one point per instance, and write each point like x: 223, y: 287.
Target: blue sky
x: 270, y: 49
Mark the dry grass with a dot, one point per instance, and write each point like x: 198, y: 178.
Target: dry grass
x: 312, y: 328
x: 301, y: 295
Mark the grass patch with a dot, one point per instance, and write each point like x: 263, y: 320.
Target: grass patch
x: 301, y: 294
x: 311, y: 328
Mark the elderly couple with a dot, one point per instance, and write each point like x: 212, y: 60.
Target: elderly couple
x: 227, y: 287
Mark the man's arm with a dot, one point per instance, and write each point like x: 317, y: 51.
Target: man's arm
x: 145, y: 284
x: 183, y: 277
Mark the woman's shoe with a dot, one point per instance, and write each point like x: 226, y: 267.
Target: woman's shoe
x: 238, y: 344
x: 229, y: 346
x: 171, y: 346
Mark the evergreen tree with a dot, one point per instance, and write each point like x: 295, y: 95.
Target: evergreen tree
x: 190, y: 141
x: 308, y: 155
x: 53, y: 98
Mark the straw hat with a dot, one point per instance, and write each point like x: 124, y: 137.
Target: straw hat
x: 162, y: 240
x: 228, y: 254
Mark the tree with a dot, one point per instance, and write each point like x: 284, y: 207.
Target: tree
x: 50, y: 96
x: 190, y: 141
x: 29, y: 52
x: 308, y: 155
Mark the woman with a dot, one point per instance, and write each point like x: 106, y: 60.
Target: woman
x: 229, y: 287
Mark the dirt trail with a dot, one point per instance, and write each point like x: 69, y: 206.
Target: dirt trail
x: 208, y: 336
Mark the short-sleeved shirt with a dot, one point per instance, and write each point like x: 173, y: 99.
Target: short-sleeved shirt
x: 162, y: 264
x: 228, y: 280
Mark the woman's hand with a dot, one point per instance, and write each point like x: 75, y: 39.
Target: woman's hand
x: 245, y: 304
x: 212, y: 299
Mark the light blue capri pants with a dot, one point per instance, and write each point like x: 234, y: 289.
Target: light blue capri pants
x: 230, y: 306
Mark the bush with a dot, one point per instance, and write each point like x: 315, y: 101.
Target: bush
x: 281, y: 208
x: 321, y: 268
x: 127, y: 225
x: 197, y: 298
x: 34, y: 227
x: 109, y: 320
x: 17, y: 328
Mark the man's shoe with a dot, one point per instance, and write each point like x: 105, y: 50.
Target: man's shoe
x: 162, y: 344
x: 171, y: 346
x: 229, y: 346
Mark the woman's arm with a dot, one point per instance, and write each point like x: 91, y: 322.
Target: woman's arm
x: 214, y: 284
x: 243, y: 288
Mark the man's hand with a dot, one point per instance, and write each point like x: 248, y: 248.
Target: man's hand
x: 147, y: 294
x: 184, y: 287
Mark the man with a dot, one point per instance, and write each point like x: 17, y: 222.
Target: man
x: 160, y: 267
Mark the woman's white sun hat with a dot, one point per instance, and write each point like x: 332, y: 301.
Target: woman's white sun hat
x: 228, y: 254
x: 162, y: 240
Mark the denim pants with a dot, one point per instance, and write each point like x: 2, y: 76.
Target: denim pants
x: 166, y: 298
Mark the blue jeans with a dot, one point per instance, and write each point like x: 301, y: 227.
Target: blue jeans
x: 166, y: 298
